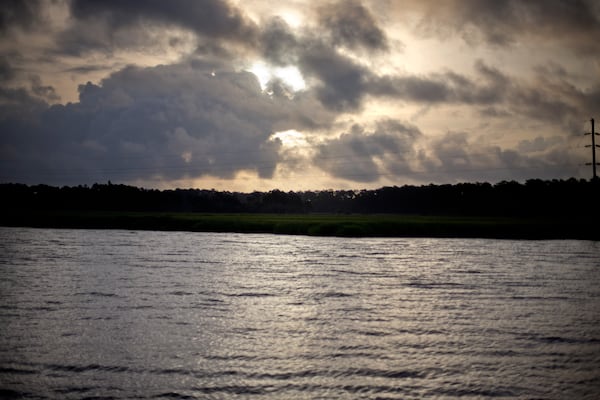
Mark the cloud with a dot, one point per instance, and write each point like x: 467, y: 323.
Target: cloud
x: 177, y: 120
x: 352, y: 25
x: 547, y: 97
x: 210, y: 18
x: 397, y: 151
x: 505, y: 22
x: 449, y: 87
x: 20, y: 14
x: 7, y: 72
x: 18, y: 102
x: 165, y: 122
x: 110, y: 25
x: 46, y: 92
x: 181, y: 121
x: 552, y: 97
x: 342, y: 83
x: 339, y: 80
x: 278, y: 43
x: 539, y: 144
x: 456, y: 157
x: 363, y: 156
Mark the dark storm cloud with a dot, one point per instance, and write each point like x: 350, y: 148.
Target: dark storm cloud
x: 413, y: 88
x: 493, y: 112
x: 552, y: 97
x: 85, y: 69
x: 540, y: 104
x: 342, y: 82
x: 212, y: 18
x: 352, y: 25
x: 46, y: 92
x: 23, y: 14
x: 548, y: 97
x: 454, y: 158
x: 18, y: 104
x: 539, y: 144
x: 363, y: 156
x: 279, y: 44
x: 502, y: 22
x: 166, y: 122
x: 390, y: 149
x: 18, y: 18
x: 7, y: 71
x: 448, y: 87
x: 112, y: 24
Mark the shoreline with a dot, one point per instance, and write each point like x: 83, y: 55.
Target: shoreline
x: 342, y: 225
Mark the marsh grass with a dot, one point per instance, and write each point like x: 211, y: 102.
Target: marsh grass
x: 344, y: 225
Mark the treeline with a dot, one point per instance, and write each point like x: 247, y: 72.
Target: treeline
x: 570, y: 197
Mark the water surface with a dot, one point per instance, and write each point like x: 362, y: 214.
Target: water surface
x: 122, y: 314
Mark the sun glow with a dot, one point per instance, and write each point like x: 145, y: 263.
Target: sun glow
x: 291, y: 138
x: 289, y: 75
x: 292, y: 17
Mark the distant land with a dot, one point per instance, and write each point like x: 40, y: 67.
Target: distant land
x: 536, y: 209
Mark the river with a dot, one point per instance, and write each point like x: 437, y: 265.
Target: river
x: 115, y: 314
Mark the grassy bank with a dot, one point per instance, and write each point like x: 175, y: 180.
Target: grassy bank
x: 316, y: 225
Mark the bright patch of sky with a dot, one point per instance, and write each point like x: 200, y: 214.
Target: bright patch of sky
x: 289, y: 75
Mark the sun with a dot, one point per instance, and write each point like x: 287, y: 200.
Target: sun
x: 290, y: 75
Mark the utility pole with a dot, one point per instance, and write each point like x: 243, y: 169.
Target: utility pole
x: 593, y: 146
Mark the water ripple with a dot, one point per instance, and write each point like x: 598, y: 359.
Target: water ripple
x: 174, y: 315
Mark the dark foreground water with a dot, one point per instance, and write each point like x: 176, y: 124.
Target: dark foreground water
x: 118, y: 314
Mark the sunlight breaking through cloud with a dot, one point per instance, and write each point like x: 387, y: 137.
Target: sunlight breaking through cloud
x: 289, y: 75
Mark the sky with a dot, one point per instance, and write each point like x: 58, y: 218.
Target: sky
x: 296, y: 95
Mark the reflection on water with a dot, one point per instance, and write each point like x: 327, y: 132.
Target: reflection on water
x: 123, y: 314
